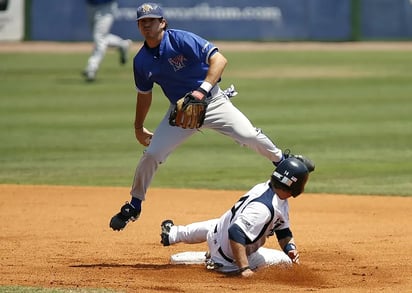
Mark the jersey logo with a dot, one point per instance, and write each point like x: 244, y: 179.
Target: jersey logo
x: 204, y: 48
x: 246, y: 223
x: 178, y: 62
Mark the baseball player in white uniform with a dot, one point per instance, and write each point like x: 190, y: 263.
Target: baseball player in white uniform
x: 101, y: 14
x: 181, y: 62
x: 236, y: 239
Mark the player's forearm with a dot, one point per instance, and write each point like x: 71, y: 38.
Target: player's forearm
x: 239, y: 254
x: 143, y: 103
x: 284, y: 241
x: 289, y: 247
x: 217, y: 64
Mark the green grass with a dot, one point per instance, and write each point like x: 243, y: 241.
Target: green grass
x: 349, y: 111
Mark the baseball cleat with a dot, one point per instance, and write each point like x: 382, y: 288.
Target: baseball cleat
x: 90, y: 75
x: 127, y: 213
x: 309, y: 163
x: 165, y: 227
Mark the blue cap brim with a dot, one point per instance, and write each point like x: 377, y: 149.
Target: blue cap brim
x: 149, y: 16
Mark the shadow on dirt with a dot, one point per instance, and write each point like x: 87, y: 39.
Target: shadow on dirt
x: 140, y: 266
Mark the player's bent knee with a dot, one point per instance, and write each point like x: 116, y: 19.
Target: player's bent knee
x: 155, y: 157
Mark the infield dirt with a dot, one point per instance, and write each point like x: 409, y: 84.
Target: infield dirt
x: 59, y: 237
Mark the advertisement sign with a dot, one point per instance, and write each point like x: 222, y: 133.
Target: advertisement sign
x: 11, y: 20
x: 215, y: 20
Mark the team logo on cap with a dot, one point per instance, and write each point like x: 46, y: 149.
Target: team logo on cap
x: 284, y: 179
x: 147, y: 8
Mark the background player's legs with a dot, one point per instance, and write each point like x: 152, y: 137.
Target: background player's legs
x: 102, y: 19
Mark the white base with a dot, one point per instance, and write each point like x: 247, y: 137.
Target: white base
x: 263, y: 257
x: 188, y: 258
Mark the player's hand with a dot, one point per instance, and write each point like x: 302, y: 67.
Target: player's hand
x: 294, y: 256
x: 198, y: 94
x: 143, y: 136
x: 247, y: 273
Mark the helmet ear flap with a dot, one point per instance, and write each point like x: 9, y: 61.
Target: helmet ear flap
x: 298, y: 191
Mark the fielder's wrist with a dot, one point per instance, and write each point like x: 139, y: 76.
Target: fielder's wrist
x: 202, y: 92
x: 206, y: 86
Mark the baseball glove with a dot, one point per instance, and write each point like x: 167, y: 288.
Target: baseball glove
x: 189, y: 112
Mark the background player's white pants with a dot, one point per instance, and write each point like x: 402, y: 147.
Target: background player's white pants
x: 204, y: 231
x: 101, y: 18
x: 221, y: 116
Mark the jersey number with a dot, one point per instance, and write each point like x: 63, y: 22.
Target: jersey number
x: 237, y: 206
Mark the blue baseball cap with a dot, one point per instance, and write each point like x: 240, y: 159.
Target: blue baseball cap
x: 149, y: 10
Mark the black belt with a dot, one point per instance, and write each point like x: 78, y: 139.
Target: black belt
x: 224, y: 255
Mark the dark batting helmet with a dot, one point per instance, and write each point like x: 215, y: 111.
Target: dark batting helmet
x: 291, y: 175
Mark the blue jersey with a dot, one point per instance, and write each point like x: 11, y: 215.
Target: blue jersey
x: 179, y: 65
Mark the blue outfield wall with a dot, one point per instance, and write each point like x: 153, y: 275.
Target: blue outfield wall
x: 218, y: 20
x: 386, y: 19
x: 263, y: 20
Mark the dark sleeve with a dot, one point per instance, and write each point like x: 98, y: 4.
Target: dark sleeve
x: 236, y: 234
x: 280, y: 234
